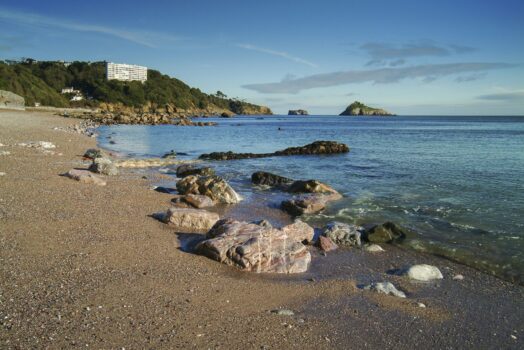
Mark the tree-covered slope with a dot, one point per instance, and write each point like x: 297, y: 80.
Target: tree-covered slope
x: 43, y: 81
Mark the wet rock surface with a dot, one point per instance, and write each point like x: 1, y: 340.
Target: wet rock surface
x: 343, y: 234
x: 384, y: 233
x: 269, y: 179
x: 315, y: 148
x: 190, y: 169
x: 213, y: 187
x: 259, y: 248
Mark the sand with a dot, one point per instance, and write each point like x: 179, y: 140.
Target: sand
x: 85, y: 266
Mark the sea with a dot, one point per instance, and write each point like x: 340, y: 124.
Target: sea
x: 454, y: 183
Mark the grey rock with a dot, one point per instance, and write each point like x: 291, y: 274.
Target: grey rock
x: 189, y: 169
x: 385, y: 288
x: 214, y: 187
x: 103, y: 166
x: 343, y: 234
x: 423, y: 272
x: 85, y: 176
x: 283, y: 312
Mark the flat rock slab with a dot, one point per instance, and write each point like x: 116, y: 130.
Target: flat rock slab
x: 190, y: 220
x: 85, y: 176
x: 258, y: 247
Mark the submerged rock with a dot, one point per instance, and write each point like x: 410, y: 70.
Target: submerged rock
x: 423, y: 272
x: 384, y: 233
x: 315, y: 148
x: 190, y: 220
x: 171, y: 154
x: 85, y: 176
x: 269, y: 179
x: 103, y: 166
x: 259, y: 248
x: 385, y: 288
x: 344, y: 234
x: 189, y: 169
x: 214, y: 187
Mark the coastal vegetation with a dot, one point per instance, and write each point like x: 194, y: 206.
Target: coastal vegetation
x: 42, y: 82
x: 358, y: 108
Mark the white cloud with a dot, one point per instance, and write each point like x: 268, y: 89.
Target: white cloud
x: 145, y: 38
x: 277, y: 53
x: 427, y: 72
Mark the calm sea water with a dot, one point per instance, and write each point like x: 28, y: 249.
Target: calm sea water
x: 456, y: 182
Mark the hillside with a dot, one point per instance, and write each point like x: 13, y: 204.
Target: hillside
x: 42, y: 82
x: 358, y: 108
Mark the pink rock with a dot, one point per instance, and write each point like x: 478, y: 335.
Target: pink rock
x: 326, y: 244
x: 191, y: 220
x: 259, y: 248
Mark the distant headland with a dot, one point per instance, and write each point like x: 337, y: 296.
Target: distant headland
x: 358, y: 108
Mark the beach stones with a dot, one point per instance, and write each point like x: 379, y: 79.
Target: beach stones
x: 103, y: 166
x: 85, y: 176
x: 190, y: 220
x: 214, y: 187
x: 385, y: 288
x: 326, y: 244
x: 269, y: 179
x: 344, y: 234
x: 310, y: 203
x: 257, y: 247
x: 189, y: 169
x: 423, y: 272
x: 384, y: 233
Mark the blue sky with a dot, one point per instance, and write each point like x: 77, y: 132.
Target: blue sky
x: 411, y: 57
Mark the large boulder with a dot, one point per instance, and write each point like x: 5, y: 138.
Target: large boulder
x: 103, y: 166
x: 214, y: 187
x: 189, y: 169
x: 258, y: 247
x: 384, y: 233
x: 190, y: 220
x: 423, y: 272
x: 344, y: 234
x: 85, y: 176
x: 269, y: 179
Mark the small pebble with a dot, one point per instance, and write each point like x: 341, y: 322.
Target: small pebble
x: 283, y: 312
x: 421, y: 305
x: 458, y: 277
x: 513, y: 337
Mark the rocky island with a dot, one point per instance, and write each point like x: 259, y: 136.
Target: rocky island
x: 358, y: 108
x: 297, y: 112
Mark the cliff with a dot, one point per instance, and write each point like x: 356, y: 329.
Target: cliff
x: 357, y: 108
x: 9, y: 100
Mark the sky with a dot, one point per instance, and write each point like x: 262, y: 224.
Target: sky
x: 410, y: 57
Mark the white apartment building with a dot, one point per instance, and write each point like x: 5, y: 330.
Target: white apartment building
x: 125, y: 72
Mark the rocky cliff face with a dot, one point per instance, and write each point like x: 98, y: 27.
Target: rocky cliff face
x: 9, y: 100
x: 297, y: 112
x: 357, y: 108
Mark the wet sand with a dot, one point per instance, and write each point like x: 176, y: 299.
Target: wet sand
x: 87, y: 266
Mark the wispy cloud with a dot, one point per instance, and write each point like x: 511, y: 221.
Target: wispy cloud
x: 510, y: 96
x: 383, y: 54
x: 277, y: 53
x: 145, y: 38
x: 468, y: 78
x: 377, y: 76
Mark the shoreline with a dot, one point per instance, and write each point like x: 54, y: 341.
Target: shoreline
x: 88, y: 265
